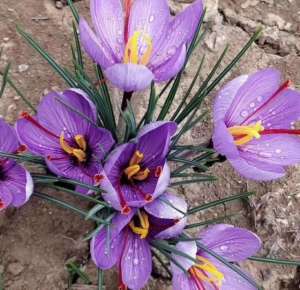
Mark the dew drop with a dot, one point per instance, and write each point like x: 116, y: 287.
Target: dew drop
x: 278, y: 151
x: 135, y: 261
x: 259, y: 98
x: 223, y: 248
x: 252, y: 105
x: 171, y: 51
x: 244, y: 113
x: 151, y: 18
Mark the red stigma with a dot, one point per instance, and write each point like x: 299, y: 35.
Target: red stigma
x: 98, y: 178
x: 148, y: 197
x: 158, y: 171
x: 2, y: 205
x: 126, y: 210
x: 127, y: 4
x: 23, y: 148
x: 122, y: 286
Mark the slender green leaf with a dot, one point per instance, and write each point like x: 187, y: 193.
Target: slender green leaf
x: 4, y: 79
x: 74, y: 10
x: 219, y: 202
x: 78, y: 48
x: 151, y: 105
x: 162, y: 263
x: 23, y: 158
x: 101, y: 280
x: 208, y: 222
x: 275, y: 261
x: 94, y: 211
x: 72, y: 267
x: 195, y: 180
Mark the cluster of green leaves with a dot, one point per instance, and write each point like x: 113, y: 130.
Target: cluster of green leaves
x: 191, y: 162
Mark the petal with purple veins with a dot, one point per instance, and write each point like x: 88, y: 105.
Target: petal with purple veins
x: 182, y: 281
x: 252, y: 168
x: 5, y: 197
x: 226, y: 96
x: 277, y: 149
x: 181, y: 31
x: 106, y: 254
x: 151, y: 17
x: 171, y: 67
x: 92, y: 45
x: 129, y: 77
x: 258, y: 88
x: 232, y: 243
x: 109, y: 24
x: 136, y: 262
x: 8, y: 139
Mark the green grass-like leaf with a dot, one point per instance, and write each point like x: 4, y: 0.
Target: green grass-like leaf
x: 275, y: 261
x: 76, y: 270
x: 73, y: 10
x: 100, y: 280
x: 4, y: 79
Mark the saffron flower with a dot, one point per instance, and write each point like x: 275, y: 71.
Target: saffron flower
x: 255, y: 118
x: 137, y: 172
x: 65, y: 133
x: 138, y: 41
x: 16, y: 184
x: 232, y: 243
x: 127, y: 243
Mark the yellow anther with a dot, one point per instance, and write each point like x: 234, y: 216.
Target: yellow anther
x: 208, y: 272
x: 78, y: 153
x: 80, y: 141
x: 143, y: 230
x: 136, y: 158
x: 244, y: 134
x: 142, y: 175
x: 132, y: 170
x: 131, y: 54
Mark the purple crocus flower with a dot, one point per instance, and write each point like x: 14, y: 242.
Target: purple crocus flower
x: 16, y: 184
x: 64, y: 131
x: 127, y: 244
x: 138, y: 41
x: 137, y: 172
x: 232, y: 243
x: 255, y: 118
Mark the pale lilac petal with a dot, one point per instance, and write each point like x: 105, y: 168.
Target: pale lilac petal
x: 136, y: 262
x: 19, y: 183
x: 5, y: 197
x: 232, y: 280
x: 226, y: 96
x: 232, y: 243
x: 282, y: 112
x: 171, y: 67
x: 173, y: 231
x: 181, y: 31
x: 106, y: 254
x: 257, y: 170
x: 167, y: 206
x: 172, y: 127
x: 93, y: 46
x: 278, y: 149
x: 189, y: 248
x: 109, y: 24
x: 258, y: 88
x: 8, y: 138
x: 129, y: 77
x: 151, y: 17
x: 182, y: 281
x: 163, y: 181
x: 223, y: 141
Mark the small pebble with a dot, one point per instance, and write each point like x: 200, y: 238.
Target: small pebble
x: 23, y: 67
x: 59, y: 5
x: 15, y: 268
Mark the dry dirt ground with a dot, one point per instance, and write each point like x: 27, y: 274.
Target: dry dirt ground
x: 37, y: 241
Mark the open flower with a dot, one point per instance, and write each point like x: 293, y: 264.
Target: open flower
x: 16, y: 184
x: 255, y: 119
x: 127, y: 243
x: 64, y: 131
x: 232, y: 243
x: 137, y: 172
x: 138, y: 41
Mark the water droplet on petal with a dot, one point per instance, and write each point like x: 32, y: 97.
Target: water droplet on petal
x: 252, y: 105
x: 171, y: 51
x: 244, y: 113
x: 223, y: 248
x: 151, y: 18
x: 259, y: 98
x: 278, y: 151
x: 135, y: 261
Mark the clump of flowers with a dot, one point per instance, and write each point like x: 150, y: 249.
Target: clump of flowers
x: 127, y: 169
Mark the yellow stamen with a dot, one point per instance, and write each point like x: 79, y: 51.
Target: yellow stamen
x: 136, y: 158
x: 78, y: 153
x: 80, y: 141
x: 142, y: 175
x: 131, y: 54
x: 213, y: 274
x: 132, y: 170
x: 143, y: 230
x: 244, y: 134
